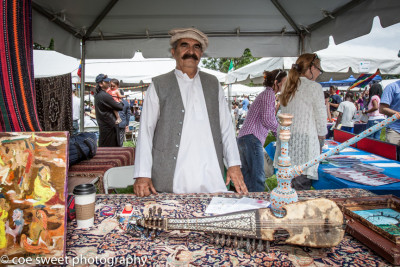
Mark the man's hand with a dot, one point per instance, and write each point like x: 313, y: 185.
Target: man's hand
x: 143, y: 187
x: 235, y: 174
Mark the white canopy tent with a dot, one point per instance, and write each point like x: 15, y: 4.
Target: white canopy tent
x: 136, y: 70
x: 338, y: 61
x: 240, y: 90
x: 49, y: 63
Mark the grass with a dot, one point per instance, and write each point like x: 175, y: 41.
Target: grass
x: 129, y: 144
x: 271, y: 182
x: 127, y: 190
x: 383, y: 134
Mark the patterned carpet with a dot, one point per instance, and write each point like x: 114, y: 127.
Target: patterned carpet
x: 54, y: 102
x: 17, y: 93
x: 175, y: 248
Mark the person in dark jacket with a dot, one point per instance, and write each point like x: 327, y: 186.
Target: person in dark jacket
x: 125, y: 115
x: 105, y: 106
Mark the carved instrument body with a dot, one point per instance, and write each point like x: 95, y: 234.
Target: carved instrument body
x: 312, y: 223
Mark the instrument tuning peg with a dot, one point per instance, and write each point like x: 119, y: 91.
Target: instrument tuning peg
x: 260, y: 245
x: 211, y: 238
x: 150, y: 212
x: 159, y: 212
x: 248, y: 246
x: 154, y: 210
x: 228, y: 241
x: 235, y: 242
x: 241, y: 243
x: 253, y: 244
x: 222, y: 240
x: 217, y: 240
x: 267, y: 247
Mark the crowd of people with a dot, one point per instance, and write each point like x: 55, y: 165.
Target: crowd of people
x: 187, y: 141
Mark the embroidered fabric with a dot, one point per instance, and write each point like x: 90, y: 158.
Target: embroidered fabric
x: 309, y: 121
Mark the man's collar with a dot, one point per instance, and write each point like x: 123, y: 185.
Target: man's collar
x: 182, y: 75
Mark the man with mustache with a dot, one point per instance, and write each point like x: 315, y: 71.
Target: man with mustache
x: 185, y: 129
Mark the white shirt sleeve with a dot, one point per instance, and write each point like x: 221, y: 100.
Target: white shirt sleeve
x: 230, y: 148
x: 148, y: 121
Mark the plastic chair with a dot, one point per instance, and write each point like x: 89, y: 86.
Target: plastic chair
x: 129, y: 135
x: 118, y: 177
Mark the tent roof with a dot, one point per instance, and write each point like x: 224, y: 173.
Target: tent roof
x: 117, y: 28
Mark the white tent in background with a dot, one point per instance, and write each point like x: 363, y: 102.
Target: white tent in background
x: 240, y: 90
x: 49, y: 63
x: 385, y: 83
x: 338, y: 61
x: 135, y: 70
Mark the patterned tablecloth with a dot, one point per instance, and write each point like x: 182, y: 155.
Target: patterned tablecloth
x: 106, y: 239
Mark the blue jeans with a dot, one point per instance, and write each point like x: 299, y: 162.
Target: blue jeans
x: 377, y: 134
x: 252, y: 158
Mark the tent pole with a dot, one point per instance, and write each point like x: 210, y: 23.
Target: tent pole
x: 301, y: 44
x: 82, y: 93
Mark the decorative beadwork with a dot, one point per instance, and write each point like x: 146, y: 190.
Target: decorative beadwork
x: 239, y: 224
x: 284, y: 194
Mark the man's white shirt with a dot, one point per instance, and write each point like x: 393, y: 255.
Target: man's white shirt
x: 76, y: 107
x: 197, y: 169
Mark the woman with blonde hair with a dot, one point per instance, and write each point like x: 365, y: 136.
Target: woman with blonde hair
x: 302, y: 97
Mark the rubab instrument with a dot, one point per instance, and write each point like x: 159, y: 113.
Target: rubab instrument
x: 313, y: 223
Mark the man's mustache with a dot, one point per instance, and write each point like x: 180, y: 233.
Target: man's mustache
x: 186, y: 56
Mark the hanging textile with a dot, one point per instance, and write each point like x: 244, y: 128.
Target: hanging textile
x: 17, y: 99
x: 54, y: 102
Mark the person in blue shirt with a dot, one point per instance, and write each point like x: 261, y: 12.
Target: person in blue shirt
x: 390, y: 104
x: 245, y: 103
x: 334, y: 101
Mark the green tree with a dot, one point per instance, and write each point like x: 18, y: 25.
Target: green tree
x: 37, y: 46
x: 222, y: 64
x: 51, y: 45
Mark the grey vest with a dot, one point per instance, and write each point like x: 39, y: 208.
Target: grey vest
x: 167, y: 134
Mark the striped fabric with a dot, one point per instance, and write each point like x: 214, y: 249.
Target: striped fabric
x: 364, y: 79
x: 17, y: 99
x: 261, y: 118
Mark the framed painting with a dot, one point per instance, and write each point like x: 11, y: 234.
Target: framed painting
x: 375, y: 221
x: 33, y: 171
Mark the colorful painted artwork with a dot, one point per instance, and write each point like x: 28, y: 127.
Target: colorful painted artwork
x: 33, y: 171
x: 386, y: 219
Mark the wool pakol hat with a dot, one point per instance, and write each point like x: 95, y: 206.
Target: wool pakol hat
x: 191, y: 33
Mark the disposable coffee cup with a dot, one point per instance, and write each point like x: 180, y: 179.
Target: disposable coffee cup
x: 85, y: 198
